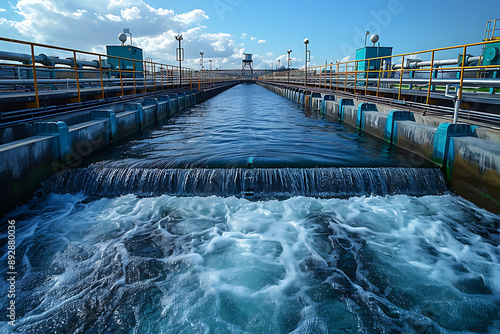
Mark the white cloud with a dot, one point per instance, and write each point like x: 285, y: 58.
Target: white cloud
x: 261, y: 41
x: 100, y: 22
x: 161, y: 11
x: 243, y: 36
x: 253, y: 38
x: 131, y: 14
x: 121, y: 3
x: 238, y: 54
x: 193, y: 16
x: 221, y: 41
x: 112, y: 17
x: 3, y: 10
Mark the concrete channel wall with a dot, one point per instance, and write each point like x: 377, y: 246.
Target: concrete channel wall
x: 468, y: 155
x: 63, y: 141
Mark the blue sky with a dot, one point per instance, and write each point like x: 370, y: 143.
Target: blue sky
x: 225, y: 29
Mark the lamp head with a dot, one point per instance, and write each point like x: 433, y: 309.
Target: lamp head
x: 374, y: 38
x: 122, y: 37
x: 306, y: 41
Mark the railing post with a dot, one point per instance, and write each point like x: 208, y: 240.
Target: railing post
x: 154, y: 75
x: 161, y: 76
x: 462, y: 69
x: 321, y: 78
x: 379, y: 75
x: 133, y: 74
x: 401, y: 77
x: 120, y: 61
x: 430, y: 79
x: 331, y: 70
x: 338, y: 68
x: 325, y: 75
x: 167, y: 77
x: 367, y: 75
x: 77, y: 80
x: 145, y: 75
x: 34, y: 75
x: 102, y: 81
x: 355, y: 76
x: 345, y: 78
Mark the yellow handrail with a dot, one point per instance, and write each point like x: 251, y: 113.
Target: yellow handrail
x: 81, y: 70
x: 350, y: 71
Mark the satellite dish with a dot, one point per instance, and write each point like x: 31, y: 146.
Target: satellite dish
x: 122, y: 37
x: 374, y: 38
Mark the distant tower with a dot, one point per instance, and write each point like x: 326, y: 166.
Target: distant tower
x: 247, y: 66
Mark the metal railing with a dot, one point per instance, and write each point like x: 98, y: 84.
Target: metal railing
x: 89, y: 72
x: 424, y: 71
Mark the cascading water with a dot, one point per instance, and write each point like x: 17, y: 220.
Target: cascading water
x: 265, y: 183
x: 168, y: 233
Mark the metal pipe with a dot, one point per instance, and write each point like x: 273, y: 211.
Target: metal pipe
x: 49, y: 60
x: 457, y: 109
x: 18, y: 56
x: 488, y: 82
x: 416, y: 63
x: 457, y: 99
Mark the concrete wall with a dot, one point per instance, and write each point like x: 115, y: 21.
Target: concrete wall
x: 26, y: 162
x: 375, y: 123
x: 349, y: 115
x: 22, y: 166
x: 475, y: 167
x: 468, y: 155
x: 415, y: 137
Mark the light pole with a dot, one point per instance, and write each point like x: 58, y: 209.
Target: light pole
x: 289, y: 64
x: 210, y: 73
x: 306, y: 42
x: 366, y: 35
x: 180, y: 57
x: 201, y: 64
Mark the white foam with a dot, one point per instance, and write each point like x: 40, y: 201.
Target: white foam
x: 228, y: 264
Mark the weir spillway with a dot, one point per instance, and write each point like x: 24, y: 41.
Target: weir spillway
x: 253, y: 183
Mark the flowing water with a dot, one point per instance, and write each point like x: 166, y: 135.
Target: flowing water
x: 328, y: 231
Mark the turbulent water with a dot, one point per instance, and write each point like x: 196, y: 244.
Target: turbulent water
x: 327, y: 231
x: 395, y: 264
